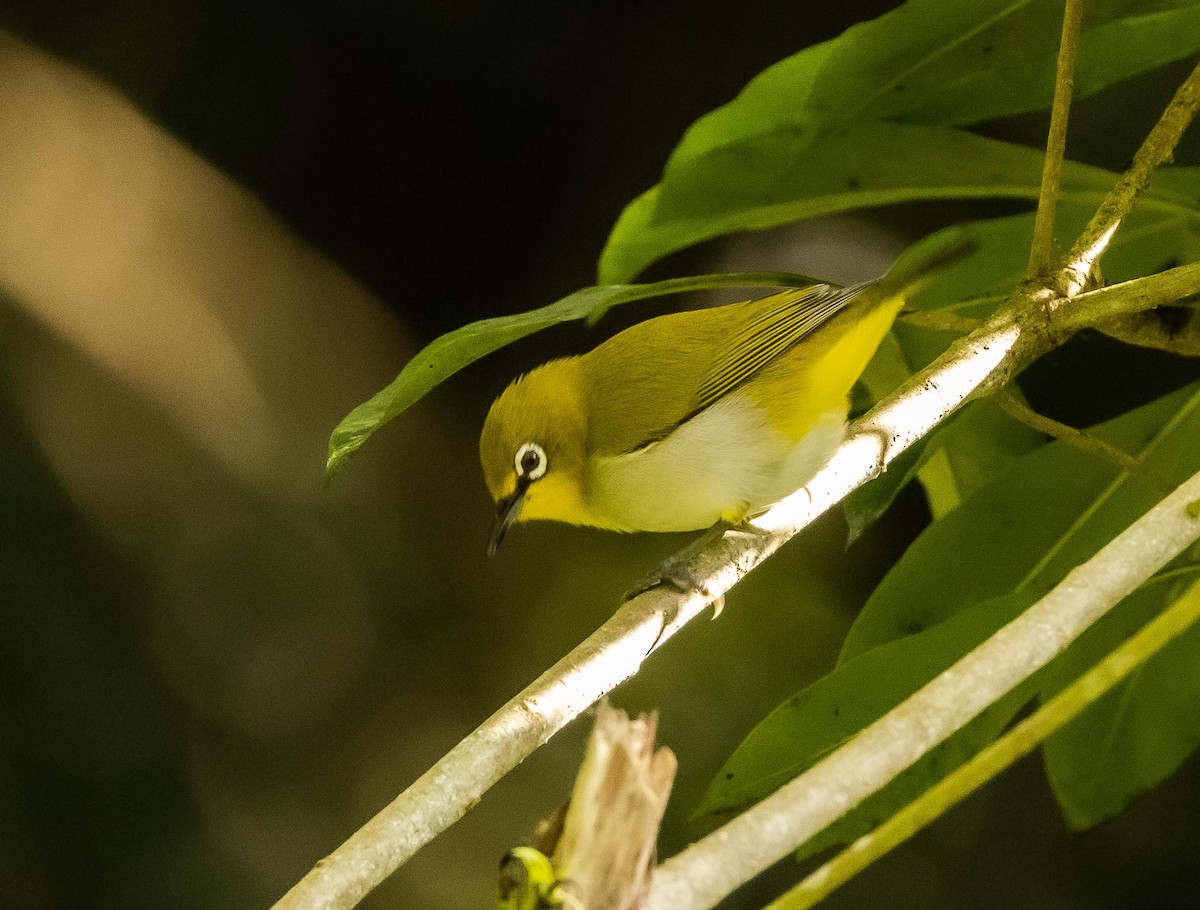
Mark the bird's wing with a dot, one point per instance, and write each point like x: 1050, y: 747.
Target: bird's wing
x: 647, y: 381
x: 778, y: 323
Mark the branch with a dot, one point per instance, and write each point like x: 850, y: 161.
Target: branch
x: 1000, y: 755
x: 1125, y: 299
x: 708, y: 870
x: 984, y: 360
x: 1041, y: 250
x: 1025, y: 328
x: 1077, y: 268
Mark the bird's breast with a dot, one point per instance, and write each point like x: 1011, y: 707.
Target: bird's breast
x: 727, y: 462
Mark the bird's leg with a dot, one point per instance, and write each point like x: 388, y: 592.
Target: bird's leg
x: 676, y: 572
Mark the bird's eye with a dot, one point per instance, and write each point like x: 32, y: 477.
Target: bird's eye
x: 530, y: 461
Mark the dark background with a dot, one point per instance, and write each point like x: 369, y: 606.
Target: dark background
x: 194, y: 710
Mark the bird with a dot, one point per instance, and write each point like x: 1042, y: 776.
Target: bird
x: 691, y: 419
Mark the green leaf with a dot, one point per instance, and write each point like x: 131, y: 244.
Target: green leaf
x: 1151, y: 237
x: 866, y: 505
x: 965, y: 576
x: 1009, y: 67
x: 773, y: 179
x: 449, y: 353
x: 946, y: 63
x: 860, y: 120
x: 1140, y: 732
x: 1023, y: 532
x: 820, y: 718
x: 957, y: 458
x: 964, y: 452
x: 982, y: 444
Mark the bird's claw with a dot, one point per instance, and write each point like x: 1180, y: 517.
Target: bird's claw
x: 677, y: 574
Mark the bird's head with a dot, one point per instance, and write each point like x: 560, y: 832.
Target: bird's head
x: 533, y: 449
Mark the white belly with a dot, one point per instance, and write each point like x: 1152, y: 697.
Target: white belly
x: 727, y: 462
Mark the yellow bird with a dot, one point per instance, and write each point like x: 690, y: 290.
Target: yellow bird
x: 691, y: 418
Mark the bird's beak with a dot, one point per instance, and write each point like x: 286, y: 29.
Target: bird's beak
x: 507, y: 510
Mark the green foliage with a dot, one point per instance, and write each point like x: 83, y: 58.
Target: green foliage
x: 964, y: 577
x: 821, y: 717
x: 868, y: 119
x: 1140, y: 732
x: 449, y: 353
x: 980, y: 441
x: 874, y: 117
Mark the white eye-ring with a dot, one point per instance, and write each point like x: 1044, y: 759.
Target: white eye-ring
x: 530, y: 461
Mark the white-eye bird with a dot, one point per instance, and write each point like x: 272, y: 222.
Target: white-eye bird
x: 691, y: 418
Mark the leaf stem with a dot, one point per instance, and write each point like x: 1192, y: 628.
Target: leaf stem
x: 1041, y: 251
x: 988, y: 763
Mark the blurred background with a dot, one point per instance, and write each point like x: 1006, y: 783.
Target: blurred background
x: 223, y: 225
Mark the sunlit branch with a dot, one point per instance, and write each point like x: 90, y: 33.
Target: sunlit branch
x: 1000, y: 755
x: 1078, y: 267
x: 705, y: 872
x: 1023, y: 329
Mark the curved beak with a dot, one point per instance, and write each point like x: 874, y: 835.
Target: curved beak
x: 507, y: 510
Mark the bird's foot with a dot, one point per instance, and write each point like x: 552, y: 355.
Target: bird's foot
x: 886, y: 441
x: 677, y: 573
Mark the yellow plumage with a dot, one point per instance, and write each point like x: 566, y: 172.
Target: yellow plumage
x: 689, y: 418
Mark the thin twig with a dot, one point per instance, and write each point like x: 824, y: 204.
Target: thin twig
x: 1019, y: 410
x: 1004, y: 752
x: 1129, y: 297
x: 1077, y: 268
x: 1041, y: 251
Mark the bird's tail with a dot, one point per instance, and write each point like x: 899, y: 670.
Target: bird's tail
x: 921, y: 261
